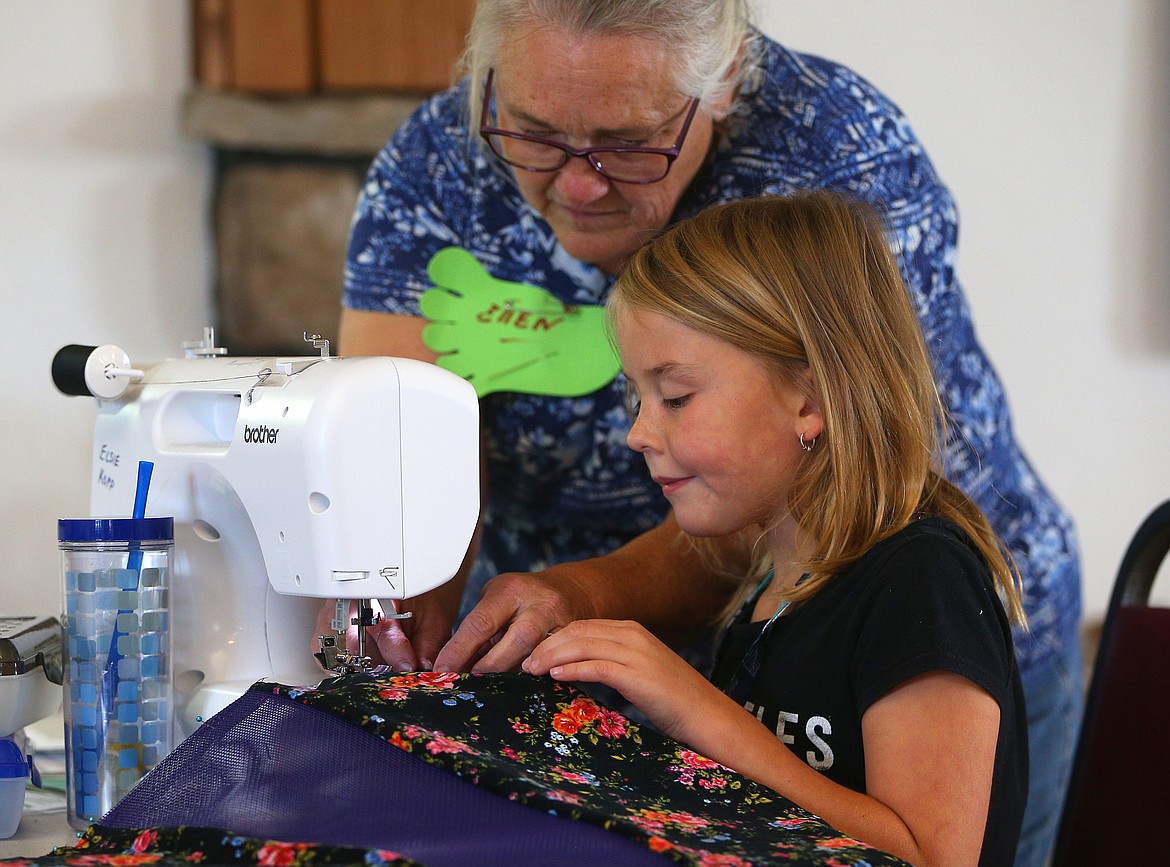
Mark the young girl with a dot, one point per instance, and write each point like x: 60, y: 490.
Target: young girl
x: 781, y: 387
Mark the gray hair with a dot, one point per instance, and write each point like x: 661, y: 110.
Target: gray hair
x: 707, y: 38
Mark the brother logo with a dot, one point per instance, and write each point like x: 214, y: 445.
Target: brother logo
x: 262, y: 434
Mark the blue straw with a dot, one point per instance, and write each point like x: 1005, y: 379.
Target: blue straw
x: 145, y: 468
x: 134, y: 564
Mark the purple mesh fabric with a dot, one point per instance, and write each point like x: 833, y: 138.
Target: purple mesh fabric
x: 267, y: 767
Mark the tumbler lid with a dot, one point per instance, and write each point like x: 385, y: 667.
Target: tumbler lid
x: 115, y: 529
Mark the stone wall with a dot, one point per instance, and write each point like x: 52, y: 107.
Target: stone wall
x: 288, y: 176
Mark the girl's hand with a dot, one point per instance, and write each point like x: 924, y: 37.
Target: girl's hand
x: 625, y: 656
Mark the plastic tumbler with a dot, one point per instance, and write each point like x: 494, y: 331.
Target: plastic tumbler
x: 118, y: 691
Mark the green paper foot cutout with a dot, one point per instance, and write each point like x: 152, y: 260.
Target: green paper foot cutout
x: 504, y: 336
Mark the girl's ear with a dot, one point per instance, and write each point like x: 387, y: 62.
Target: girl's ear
x: 811, y: 419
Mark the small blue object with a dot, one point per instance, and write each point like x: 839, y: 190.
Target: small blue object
x: 12, y: 760
x: 14, y: 772
x: 145, y: 470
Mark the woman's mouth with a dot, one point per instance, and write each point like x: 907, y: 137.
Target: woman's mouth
x: 588, y: 218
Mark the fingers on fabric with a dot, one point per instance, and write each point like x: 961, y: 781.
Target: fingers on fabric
x: 513, y: 646
x: 394, y: 646
x: 467, y: 645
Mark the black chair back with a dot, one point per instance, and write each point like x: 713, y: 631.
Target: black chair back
x: 1118, y: 800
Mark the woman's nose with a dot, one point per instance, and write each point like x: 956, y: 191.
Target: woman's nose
x: 578, y: 181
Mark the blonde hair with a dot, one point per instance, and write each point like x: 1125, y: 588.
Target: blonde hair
x: 808, y: 282
x: 708, y: 39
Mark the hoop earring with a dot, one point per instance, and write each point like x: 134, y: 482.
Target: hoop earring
x: 809, y: 446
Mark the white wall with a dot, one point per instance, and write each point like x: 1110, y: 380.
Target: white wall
x: 1047, y: 119
x: 103, y: 239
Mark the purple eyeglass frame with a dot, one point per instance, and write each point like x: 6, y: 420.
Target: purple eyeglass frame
x: 671, y: 153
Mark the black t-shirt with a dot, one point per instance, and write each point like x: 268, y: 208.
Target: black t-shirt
x: 922, y: 600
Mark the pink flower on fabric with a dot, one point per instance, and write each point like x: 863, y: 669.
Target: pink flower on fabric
x: 687, y: 820
x: 571, y: 776
x: 279, y: 854
x: 144, y: 841
x: 564, y: 797
x: 442, y: 744
x: 693, y: 759
x: 610, y: 724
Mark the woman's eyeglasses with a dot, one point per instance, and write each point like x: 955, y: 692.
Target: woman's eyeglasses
x: 628, y: 165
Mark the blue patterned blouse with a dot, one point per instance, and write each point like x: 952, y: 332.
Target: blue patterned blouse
x: 562, y: 484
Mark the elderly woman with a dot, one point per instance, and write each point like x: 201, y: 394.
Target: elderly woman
x: 582, y: 129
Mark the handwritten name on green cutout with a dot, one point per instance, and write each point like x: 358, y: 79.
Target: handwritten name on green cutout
x: 505, y: 336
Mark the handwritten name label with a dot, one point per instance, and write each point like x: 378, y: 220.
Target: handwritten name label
x: 525, y: 320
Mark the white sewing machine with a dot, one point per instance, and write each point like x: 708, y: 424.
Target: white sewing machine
x: 290, y: 480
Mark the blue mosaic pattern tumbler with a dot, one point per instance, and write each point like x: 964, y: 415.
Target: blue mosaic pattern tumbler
x: 118, y: 691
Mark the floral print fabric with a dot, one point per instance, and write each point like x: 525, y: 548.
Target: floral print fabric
x: 548, y: 746
x: 538, y: 743
x: 166, y: 847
